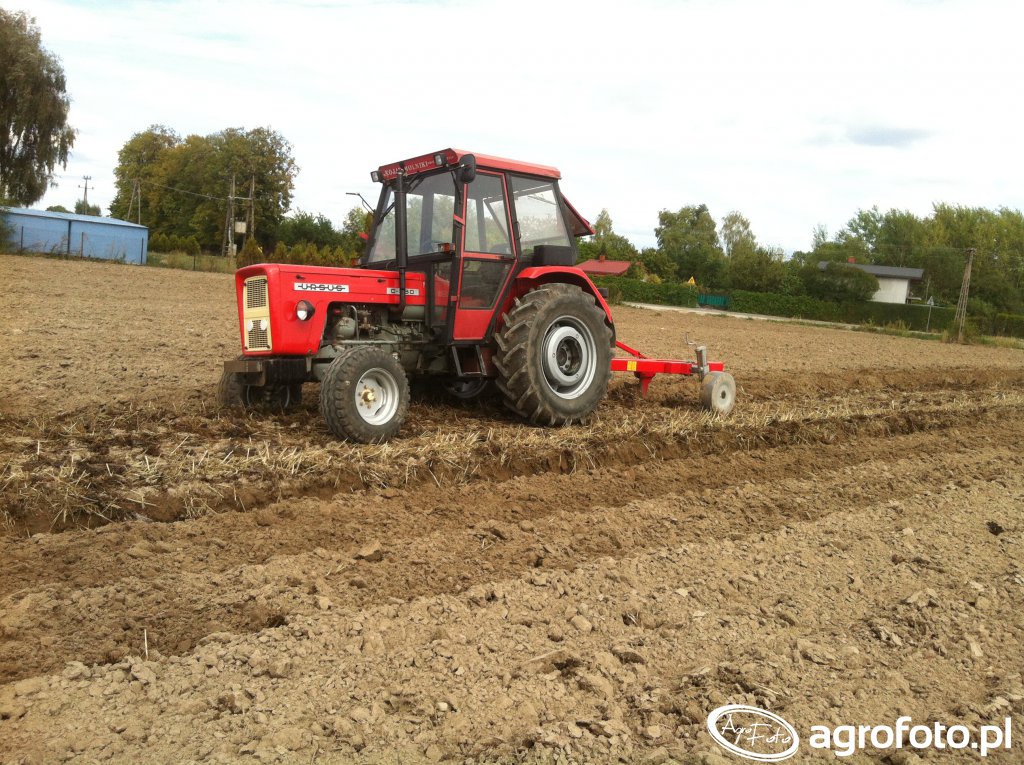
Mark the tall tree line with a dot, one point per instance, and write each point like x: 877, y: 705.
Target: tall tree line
x: 692, y: 244
x: 180, y: 186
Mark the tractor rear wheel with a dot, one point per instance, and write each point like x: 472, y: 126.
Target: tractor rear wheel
x: 364, y: 395
x: 554, y: 355
x: 718, y: 392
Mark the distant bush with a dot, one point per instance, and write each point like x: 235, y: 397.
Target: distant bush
x: 795, y: 306
x: 839, y: 282
x: 911, y: 317
x: 667, y: 293
x: 251, y: 253
x: 1008, y: 325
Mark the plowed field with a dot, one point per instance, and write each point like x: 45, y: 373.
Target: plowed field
x: 180, y: 583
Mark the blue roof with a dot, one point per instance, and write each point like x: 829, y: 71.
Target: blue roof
x: 69, y: 216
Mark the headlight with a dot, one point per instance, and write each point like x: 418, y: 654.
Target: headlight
x: 263, y: 324
x: 248, y: 325
x: 304, y: 310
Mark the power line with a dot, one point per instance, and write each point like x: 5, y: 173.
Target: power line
x: 183, y: 191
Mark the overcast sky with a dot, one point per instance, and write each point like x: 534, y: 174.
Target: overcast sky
x: 793, y: 113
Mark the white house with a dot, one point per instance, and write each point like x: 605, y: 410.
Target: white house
x: 893, y: 281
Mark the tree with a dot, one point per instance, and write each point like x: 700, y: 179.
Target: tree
x: 137, y: 162
x: 758, y: 269
x: 34, y: 134
x: 185, y: 184
x: 657, y: 263
x: 58, y: 208
x: 689, y: 239
x: 606, y: 243
x: 736, y: 236
x: 839, y: 282
x: 358, y: 223
x: 84, y: 208
x: 305, y: 227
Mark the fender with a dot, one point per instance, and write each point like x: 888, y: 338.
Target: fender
x: 529, y: 278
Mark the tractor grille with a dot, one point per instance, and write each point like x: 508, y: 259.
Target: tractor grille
x: 258, y: 340
x: 256, y: 292
x: 256, y: 312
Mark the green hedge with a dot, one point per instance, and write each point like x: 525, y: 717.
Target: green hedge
x: 643, y: 292
x: 913, y: 317
x: 1008, y: 325
x: 771, y: 304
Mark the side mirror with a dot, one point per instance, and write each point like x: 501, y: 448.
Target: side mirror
x: 467, y: 171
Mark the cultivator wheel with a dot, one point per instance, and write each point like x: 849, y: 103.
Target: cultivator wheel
x: 364, y: 395
x: 718, y: 392
x: 554, y: 355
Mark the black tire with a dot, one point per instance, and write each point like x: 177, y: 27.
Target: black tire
x: 374, y: 413
x: 554, y: 355
x: 230, y: 391
x: 233, y: 393
x: 273, y: 397
x: 718, y: 392
x: 467, y: 390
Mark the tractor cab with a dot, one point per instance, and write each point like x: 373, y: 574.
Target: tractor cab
x: 470, y: 224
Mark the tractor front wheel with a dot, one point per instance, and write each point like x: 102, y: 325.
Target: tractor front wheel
x: 468, y: 389
x: 364, y: 395
x: 232, y: 392
x: 554, y: 355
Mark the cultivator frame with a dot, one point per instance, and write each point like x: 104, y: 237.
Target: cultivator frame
x: 645, y: 368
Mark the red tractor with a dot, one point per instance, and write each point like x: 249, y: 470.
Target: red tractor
x: 469, y: 277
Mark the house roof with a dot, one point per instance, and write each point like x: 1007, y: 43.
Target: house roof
x: 884, y: 272
x: 605, y: 267
x: 25, y: 211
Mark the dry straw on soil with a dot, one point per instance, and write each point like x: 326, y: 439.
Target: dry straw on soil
x: 170, y: 463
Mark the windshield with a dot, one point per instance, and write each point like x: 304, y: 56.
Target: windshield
x: 430, y: 205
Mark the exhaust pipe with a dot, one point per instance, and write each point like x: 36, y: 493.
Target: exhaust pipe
x: 401, y: 237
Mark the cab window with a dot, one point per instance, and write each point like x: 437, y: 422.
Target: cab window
x: 538, y: 213
x: 486, y: 222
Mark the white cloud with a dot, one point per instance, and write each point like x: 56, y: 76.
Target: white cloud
x: 794, y: 113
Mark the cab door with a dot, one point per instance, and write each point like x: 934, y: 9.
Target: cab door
x: 487, y: 255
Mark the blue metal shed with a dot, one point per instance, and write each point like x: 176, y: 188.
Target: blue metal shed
x: 87, y: 236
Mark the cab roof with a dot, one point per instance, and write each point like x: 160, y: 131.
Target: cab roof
x: 454, y: 157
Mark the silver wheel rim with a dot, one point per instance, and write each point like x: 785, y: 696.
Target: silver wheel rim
x: 376, y: 395
x: 723, y: 394
x: 570, y: 357
x: 723, y: 397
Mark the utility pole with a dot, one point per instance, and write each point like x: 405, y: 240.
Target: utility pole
x: 136, y: 198
x: 250, y: 221
x: 85, y: 196
x: 965, y: 289
x: 228, y: 243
